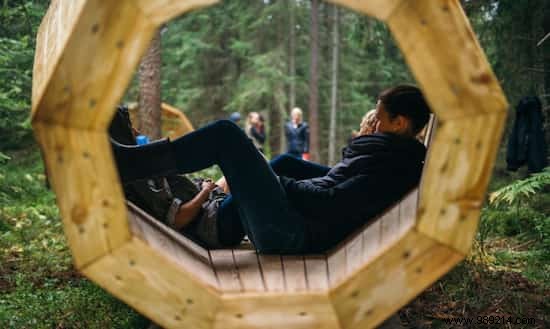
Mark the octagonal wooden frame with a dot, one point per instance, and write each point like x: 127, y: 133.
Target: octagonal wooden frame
x: 86, y: 53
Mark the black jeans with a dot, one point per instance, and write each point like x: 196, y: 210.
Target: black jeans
x: 230, y: 228
x: 257, y: 197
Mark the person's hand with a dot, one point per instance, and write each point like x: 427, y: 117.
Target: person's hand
x: 135, y: 132
x: 208, y: 185
x: 223, y: 184
x: 305, y: 156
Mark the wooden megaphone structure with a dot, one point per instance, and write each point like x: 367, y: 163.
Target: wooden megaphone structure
x: 174, y: 122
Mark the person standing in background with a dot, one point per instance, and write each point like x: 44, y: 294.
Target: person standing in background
x: 254, y: 129
x: 235, y: 117
x: 297, y: 135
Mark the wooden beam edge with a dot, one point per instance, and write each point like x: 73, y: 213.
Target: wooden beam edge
x: 473, y: 205
x: 136, y: 240
x: 114, y: 239
x: 497, y: 94
x: 338, y: 292
x: 158, y: 19
x: 55, y: 65
x: 277, y: 309
x: 100, y: 270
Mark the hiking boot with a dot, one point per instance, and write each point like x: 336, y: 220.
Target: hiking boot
x: 155, y: 159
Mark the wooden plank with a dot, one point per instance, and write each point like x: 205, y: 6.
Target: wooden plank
x: 268, y: 311
x: 226, y: 270
x: 371, y: 241
x: 81, y: 173
x: 52, y: 35
x: 155, y: 286
x: 456, y: 177
x: 316, y: 272
x: 272, y: 269
x: 337, y: 266
x: 394, y: 278
x: 250, y: 274
x: 177, y: 248
x: 160, y: 11
x: 294, y: 273
x: 380, y: 9
x: 389, y: 225
x: 89, y: 76
x: 186, y: 243
x: 354, y: 254
x: 407, y: 211
x: 445, y: 57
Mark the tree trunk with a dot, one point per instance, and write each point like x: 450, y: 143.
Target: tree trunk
x: 292, y: 55
x: 149, y: 114
x: 278, y: 124
x: 334, y: 87
x: 278, y: 103
x: 313, y: 84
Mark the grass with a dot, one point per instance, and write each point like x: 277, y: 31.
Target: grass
x: 507, y: 273
x: 39, y: 287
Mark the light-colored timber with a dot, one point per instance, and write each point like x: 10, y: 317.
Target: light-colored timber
x: 174, y: 122
x: 87, y: 51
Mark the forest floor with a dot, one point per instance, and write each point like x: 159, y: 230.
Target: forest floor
x: 506, y: 275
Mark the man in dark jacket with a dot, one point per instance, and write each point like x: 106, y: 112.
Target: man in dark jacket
x: 307, y: 212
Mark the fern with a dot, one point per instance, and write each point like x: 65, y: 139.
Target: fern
x: 521, y: 189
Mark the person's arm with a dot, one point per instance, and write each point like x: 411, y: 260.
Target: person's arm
x: 341, y: 200
x: 305, y: 154
x: 189, y: 210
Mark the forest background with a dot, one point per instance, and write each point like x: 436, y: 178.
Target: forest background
x: 268, y: 56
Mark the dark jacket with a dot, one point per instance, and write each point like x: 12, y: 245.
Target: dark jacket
x: 375, y: 172
x: 297, y: 139
x: 257, y: 136
x: 526, y: 144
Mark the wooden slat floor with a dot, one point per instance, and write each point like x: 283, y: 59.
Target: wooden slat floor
x: 243, y: 270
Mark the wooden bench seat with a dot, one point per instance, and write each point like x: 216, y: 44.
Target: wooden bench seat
x: 242, y: 269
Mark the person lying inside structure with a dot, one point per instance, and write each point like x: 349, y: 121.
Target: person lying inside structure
x: 186, y: 205
x: 291, y: 206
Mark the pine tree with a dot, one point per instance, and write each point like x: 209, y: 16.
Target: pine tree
x: 149, y: 113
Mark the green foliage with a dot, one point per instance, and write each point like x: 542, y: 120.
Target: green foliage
x: 39, y: 288
x: 15, y: 71
x: 18, y: 25
x: 520, y: 213
x: 521, y: 189
x: 78, y: 304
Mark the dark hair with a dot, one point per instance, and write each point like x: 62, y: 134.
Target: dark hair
x: 408, y: 101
